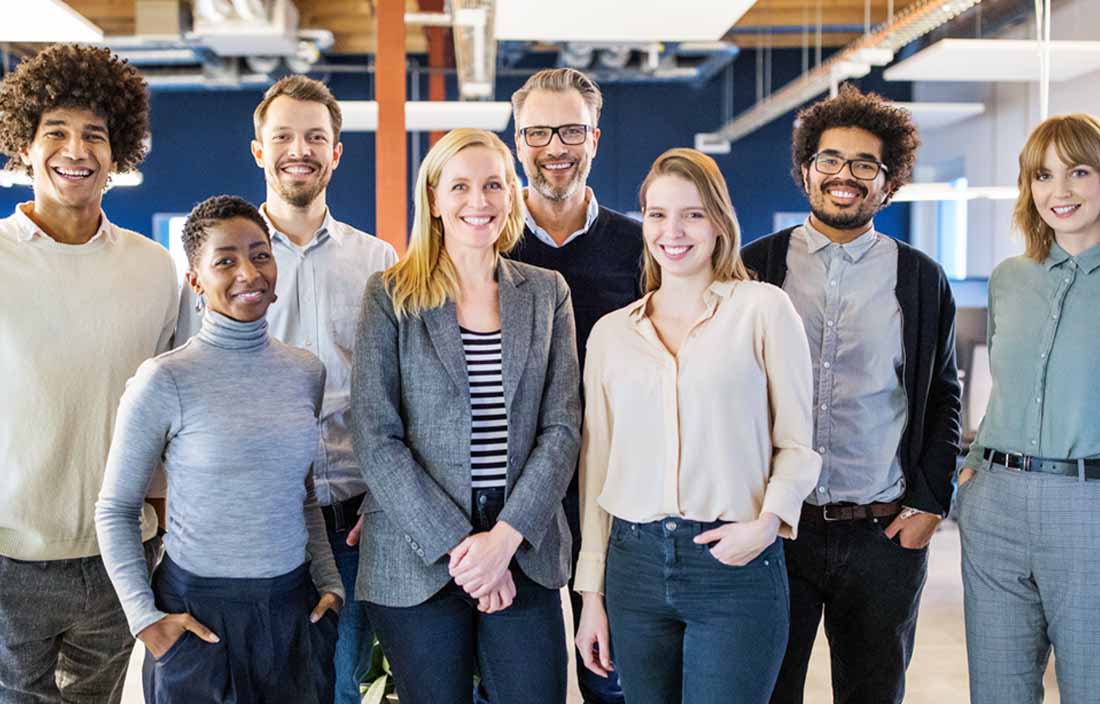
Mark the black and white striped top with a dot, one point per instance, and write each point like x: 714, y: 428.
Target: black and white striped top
x: 489, y: 431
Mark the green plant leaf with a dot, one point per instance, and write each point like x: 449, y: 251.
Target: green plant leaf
x: 377, y: 691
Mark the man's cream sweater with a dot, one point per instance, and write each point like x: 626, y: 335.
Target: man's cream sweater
x: 75, y: 323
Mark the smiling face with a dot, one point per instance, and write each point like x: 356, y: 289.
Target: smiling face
x: 678, y: 232
x: 841, y: 201
x: 1067, y: 198
x: 70, y: 158
x: 235, y: 270
x: 556, y: 171
x: 473, y: 199
x: 297, y: 150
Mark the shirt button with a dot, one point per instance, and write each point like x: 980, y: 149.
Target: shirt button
x: 1039, y: 399
x: 829, y: 323
x: 824, y: 406
x: 671, y: 525
x: 826, y: 365
x: 832, y: 283
x: 821, y: 490
x: 1042, y: 355
x: 1032, y: 442
x: 821, y: 449
x: 1054, y: 315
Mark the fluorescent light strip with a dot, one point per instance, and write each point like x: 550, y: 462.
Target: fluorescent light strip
x: 922, y: 192
x: 427, y: 116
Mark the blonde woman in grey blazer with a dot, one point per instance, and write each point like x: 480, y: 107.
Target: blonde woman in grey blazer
x: 466, y: 420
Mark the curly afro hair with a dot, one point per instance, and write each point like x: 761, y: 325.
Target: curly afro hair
x: 83, y: 77
x: 867, y: 111
x: 210, y: 212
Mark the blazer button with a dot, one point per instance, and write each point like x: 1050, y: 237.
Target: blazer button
x: 415, y: 546
x: 420, y: 553
x: 407, y: 538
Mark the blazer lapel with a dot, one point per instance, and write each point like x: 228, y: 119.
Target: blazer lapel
x: 517, y: 323
x: 442, y: 324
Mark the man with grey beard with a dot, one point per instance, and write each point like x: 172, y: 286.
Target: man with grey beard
x: 596, y: 249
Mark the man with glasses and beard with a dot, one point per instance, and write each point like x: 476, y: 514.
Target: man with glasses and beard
x: 596, y: 249
x: 323, y: 268
x: 880, y: 319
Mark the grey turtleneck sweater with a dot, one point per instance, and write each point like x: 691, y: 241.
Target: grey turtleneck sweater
x: 233, y: 415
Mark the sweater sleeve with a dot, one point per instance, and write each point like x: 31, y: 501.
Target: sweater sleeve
x: 148, y: 415
x: 322, y: 565
x: 795, y: 466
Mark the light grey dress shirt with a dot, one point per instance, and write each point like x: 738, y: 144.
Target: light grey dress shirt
x: 320, y: 288
x: 1043, y: 322
x: 845, y: 296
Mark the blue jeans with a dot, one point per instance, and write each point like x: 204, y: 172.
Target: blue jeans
x: 434, y: 647
x: 353, y: 648
x: 688, y: 628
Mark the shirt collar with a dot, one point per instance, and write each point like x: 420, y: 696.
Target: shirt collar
x: 717, y: 292
x: 1089, y: 260
x: 592, y: 211
x: 854, y: 250
x: 28, y: 230
x: 327, y: 229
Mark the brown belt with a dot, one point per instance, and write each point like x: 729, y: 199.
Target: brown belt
x: 830, y: 513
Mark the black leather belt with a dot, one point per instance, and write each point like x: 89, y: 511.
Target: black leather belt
x: 1046, y: 465
x: 830, y: 513
x: 343, y: 515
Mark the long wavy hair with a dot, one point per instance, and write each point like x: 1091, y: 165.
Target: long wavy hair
x: 1076, y: 138
x: 426, y: 278
x: 702, y: 172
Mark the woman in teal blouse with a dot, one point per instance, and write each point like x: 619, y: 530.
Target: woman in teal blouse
x: 1029, y: 493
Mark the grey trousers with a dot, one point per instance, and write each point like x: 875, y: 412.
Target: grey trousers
x: 63, y: 636
x: 1031, y: 582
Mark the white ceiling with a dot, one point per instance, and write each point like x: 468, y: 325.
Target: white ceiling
x: 44, y: 21
x: 996, y: 60
x: 931, y: 116
x: 617, y: 20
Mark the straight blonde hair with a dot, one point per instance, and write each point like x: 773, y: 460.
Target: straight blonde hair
x: 1076, y: 138
x: 704, y: 174
x: 426, y: 278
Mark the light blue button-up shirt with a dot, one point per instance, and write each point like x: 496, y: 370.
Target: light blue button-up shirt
x: 320, y: 288
x: 845, y: 296
x: 592, y: 211
x: 1044, y: 318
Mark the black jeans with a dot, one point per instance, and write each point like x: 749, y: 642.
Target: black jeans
x: 868, y: 587
x: 434, y: 647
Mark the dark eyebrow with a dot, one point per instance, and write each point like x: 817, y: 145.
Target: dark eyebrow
x: 862, y: 155
x: 62, y: 123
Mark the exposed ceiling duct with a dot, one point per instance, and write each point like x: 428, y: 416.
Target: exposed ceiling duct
x: 471, y: 23
x: 855, y: 61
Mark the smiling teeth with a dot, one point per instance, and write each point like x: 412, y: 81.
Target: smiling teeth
x: 74, y: 172
x: 477, y: 222
x: 843, y: 194
x: 299, y: 170
x: 556, y: 167
x: 675, y: 251
x: 1064, y: 209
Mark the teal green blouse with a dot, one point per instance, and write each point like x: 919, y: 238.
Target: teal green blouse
x: 1044, y: 347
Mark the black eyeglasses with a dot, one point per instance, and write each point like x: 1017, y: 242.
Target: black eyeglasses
x: 540, y: 135
x: 831, y: 165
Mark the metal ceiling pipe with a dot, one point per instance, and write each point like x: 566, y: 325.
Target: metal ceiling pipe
x: 855, y: 60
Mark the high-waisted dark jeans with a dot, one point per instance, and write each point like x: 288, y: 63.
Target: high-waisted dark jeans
x: 434, y: 647
x: 688, y: 628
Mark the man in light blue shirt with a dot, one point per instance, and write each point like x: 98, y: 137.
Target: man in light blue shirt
x: 323, y: 268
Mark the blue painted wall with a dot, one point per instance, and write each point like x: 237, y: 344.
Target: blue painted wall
x: 200, y: 148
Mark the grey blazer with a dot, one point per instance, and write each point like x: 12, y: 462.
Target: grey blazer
x: 410, y: 406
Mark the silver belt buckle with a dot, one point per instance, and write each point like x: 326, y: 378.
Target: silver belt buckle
x: 1025, y: 462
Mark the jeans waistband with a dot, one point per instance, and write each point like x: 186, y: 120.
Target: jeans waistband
x: 671, y: 526
x: 184, y: 583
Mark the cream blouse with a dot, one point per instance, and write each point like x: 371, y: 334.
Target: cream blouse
x: 721, y: 431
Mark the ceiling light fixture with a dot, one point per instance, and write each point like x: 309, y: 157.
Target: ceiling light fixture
x: 428, y: 116
x: 45, y: 21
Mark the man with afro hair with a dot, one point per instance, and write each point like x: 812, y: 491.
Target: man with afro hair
x: 880, y: 320
x: 84, y: 303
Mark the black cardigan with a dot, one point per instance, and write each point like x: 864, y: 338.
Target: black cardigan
x: 930, y: 443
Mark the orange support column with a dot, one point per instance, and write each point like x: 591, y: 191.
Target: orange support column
x: 391, y: 157
x: 440, y: 56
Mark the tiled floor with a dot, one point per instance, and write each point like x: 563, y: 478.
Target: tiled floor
x: 937, y: 674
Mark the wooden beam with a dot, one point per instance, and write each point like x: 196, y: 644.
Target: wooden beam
x: 391, y: 167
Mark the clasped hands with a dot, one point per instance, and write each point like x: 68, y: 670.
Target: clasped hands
x: 479, y: 564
